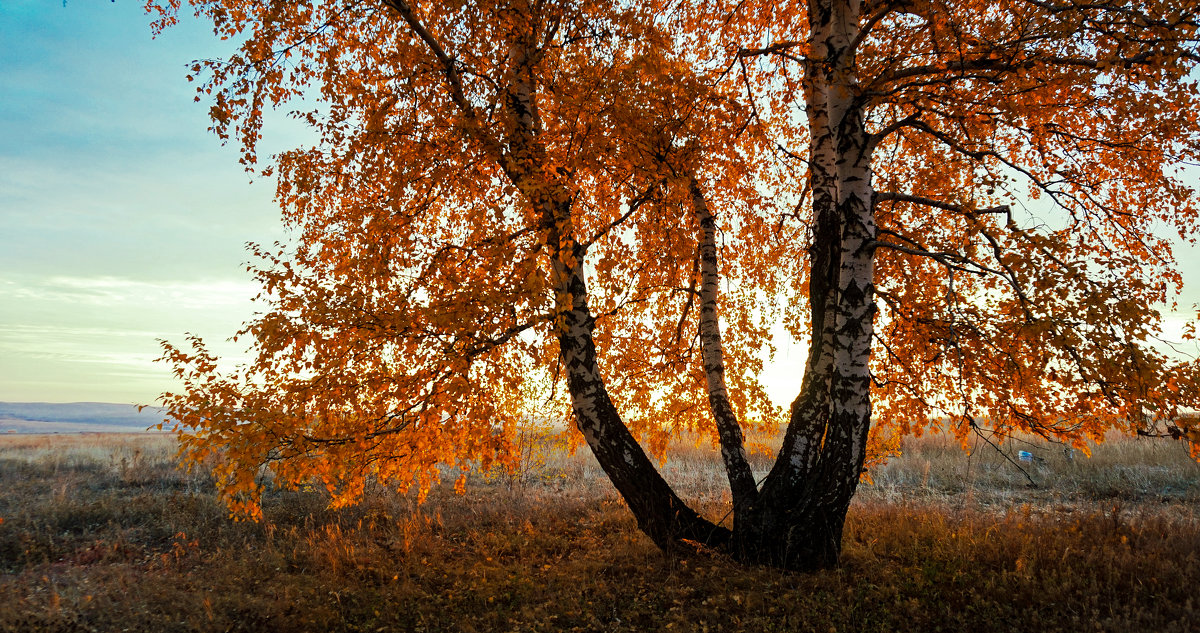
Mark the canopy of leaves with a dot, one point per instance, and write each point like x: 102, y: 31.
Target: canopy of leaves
x: 1026, y: 163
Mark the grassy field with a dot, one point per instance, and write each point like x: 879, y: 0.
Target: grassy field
x: 101, y: 533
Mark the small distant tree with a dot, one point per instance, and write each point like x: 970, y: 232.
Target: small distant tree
x: 509, y: 200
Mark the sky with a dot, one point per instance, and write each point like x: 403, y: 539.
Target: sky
x: 122, y: 220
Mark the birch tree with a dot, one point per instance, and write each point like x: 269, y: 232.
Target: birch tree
x: 510, y: 200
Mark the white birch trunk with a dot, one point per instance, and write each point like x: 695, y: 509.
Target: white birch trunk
x: 850, y: 389
x: 741, y: 479
x: 805, y: 498
x: 660, y: 513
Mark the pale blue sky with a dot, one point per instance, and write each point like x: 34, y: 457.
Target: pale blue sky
x: 122, y: 219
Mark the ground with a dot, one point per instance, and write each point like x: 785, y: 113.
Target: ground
x: 101, y: 533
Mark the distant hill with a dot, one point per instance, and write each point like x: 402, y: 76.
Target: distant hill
x: 76, y: 417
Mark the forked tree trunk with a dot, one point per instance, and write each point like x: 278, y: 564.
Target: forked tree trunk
x: 660, y: 513
x: 801, y: 511
x: 796, y: 519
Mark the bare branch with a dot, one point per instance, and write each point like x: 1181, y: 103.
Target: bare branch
x: 890, y: 196
x: 632, y: 206
x: 781, y: 49
x: 952, y: 261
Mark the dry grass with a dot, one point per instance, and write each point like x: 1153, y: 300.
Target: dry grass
x: 1122, y: 470
x: 103, y: 534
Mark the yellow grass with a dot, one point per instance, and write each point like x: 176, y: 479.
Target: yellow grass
x: 102, y: 533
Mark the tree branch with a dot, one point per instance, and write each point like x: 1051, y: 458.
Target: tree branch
x: 952, y: 261
x: 451, y: 75
x: 891, y: 196
x: 781, y: 49
x: 632, y: 206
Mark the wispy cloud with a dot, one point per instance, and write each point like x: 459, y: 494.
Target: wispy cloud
x: 71, y: 338
x: 109, y: 291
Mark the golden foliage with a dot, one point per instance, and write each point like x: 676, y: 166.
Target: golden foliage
x: 413, y: 321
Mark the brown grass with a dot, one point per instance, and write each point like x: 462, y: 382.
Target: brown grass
x: 101, y: 533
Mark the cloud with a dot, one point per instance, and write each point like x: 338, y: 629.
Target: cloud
x: 110, y: 291
x: 75, y: 338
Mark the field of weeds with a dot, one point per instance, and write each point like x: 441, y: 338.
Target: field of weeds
x: 101, y: 533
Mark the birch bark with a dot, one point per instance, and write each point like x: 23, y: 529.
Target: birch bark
x: 803, y: 504
x: 660, y: 513
x: 796, y: 520
x: 741, y: 479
